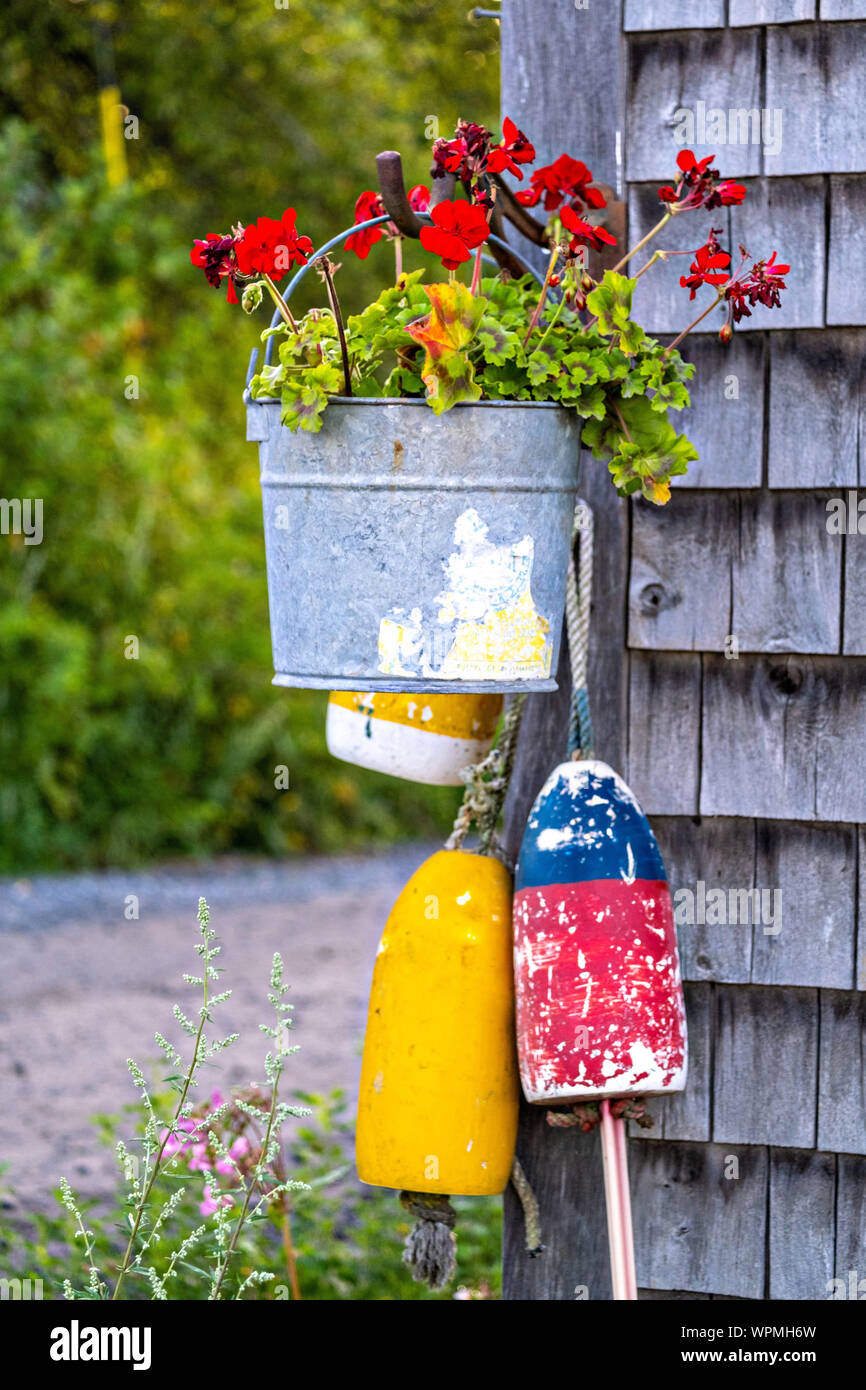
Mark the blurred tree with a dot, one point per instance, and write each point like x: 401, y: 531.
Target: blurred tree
x: 120, y: 408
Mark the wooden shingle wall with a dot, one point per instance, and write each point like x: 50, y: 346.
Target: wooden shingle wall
x: 733, y: 695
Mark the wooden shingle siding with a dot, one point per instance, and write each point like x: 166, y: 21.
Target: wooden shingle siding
x: 843, y: 9
x: 765, y: 1066
x: 725, y: 420
x: 817, y: 404
x: 695, y: 1228
x: 671, y: 72
x: 663, y: 760
x: 842, y: 1074
x: 778, y: 734
x: 671, y: 565
x: 801, y: 1220
x: 673, y: 14
x: 813, y: 868
x: 850, y: 1219
x: 815, y: 77
x: 770, y: 11
x: 786, y: 216
x: 720, y: 853
x: 846, y: 291
x: 766, y: 568
x: 854, y: 621
x: 753, y: 1182
x: 660, y: 305
x: 860, y: 971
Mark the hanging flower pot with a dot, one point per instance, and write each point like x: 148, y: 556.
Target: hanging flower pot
x: 419, y: 459
x: 410, y: 552
x: 428, y: 738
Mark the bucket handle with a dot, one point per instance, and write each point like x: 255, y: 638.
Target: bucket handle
x: 338, y: 241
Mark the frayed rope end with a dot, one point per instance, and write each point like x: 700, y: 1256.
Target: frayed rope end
x: 431, y: 1246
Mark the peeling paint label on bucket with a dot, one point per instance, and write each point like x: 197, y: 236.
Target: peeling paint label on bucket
x: 483, y: 626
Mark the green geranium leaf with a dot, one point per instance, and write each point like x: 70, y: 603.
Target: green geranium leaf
x: 542, y: 363
x: 445, y: 334
x: 304, y: 398
x: 646, y: 449
x: 498, y: 343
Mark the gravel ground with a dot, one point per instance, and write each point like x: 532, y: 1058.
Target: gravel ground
x: 83, y: 988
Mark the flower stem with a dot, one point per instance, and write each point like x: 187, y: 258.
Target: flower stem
x: 618, y: 413
x: 223, y: 1269
x: 554, y: 257
x: 656, y: 256
x: 281, y: 304
x: 142, y: 1205
x: 325, y: 266
x: 643, y: 241
x: 289, y: 1252
x: 398, y: 259
x: 676, y: 342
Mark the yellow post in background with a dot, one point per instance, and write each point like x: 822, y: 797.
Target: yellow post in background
x: 113, y: 144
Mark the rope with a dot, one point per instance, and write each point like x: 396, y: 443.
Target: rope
x: 430, y: 1247
x: 587, y: 1114
x: 578, y: 603
x: 529, y: 1202
x: 487, y: 783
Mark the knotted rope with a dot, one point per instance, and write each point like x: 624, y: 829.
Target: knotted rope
x: 578, y: 603
x: 487, y: 783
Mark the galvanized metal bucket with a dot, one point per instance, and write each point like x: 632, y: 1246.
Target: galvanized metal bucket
x: 408, y: 551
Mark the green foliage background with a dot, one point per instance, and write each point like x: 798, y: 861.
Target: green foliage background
x: 152, y: 514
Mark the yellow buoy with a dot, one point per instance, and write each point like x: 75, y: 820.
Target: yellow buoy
x: 437, y: 1111
x: 424, y: 738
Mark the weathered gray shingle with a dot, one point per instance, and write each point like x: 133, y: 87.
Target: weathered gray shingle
x: 698, y: 72
x: 802, y: 1212
x: 842, y: 1074
x: 673, y: 14
x: 664, y: 700
x: 846, y: 290
x: 770, y: 11
x: 679, y: 551
x: 765, y: 1066
x: 717, y: 853
x: 725, y: 420
x: 815, y: 77
x: 786, y: 216
x: 817, y: 400
x: 696, y: 1224
x: 813, y: 869
x: 778, y: 734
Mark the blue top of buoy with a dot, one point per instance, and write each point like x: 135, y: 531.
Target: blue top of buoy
x: 586, y: 825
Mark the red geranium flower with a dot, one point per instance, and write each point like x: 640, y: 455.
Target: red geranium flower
x: 465, y: 155
x: 711, y: 266
x: 215, y: 256
x: 458, y: 229
x: 270, y: 248
x: 514, y: 149
x: 368, y: 205
x: 566, y: 180
x: 699, y: 185
x: 583, y: 233
x: 760, y: 285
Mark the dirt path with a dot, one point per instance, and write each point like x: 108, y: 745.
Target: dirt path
x: 82, y: 989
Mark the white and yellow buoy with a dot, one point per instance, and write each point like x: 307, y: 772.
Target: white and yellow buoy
x: 423, y: 738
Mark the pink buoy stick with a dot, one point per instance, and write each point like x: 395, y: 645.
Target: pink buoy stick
x: 618, y: 1201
